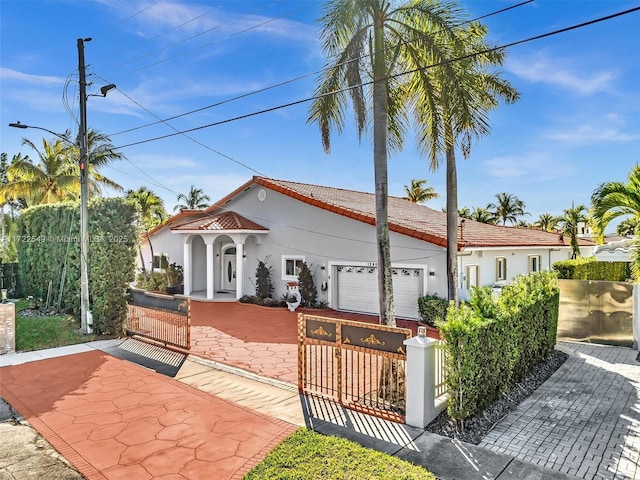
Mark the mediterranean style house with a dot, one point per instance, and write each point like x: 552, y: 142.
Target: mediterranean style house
x: 285, y: 223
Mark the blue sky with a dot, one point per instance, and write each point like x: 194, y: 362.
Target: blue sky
x: 576, y: 125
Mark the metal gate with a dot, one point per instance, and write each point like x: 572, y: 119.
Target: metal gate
x: 359, y: 365
x: 596, y: 312
x: 163, y: 318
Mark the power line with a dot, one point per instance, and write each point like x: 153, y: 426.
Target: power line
x: 301, y: 77
x: 306, y: 5
x: 463, y: 57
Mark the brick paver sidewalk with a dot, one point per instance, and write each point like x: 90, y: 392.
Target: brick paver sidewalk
x: 584, y: 420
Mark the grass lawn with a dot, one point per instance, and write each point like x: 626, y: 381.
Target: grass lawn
x: 36, y: 333
x: 307, y: 455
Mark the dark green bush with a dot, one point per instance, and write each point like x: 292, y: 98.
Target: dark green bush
x: 590, y: 269
x: 307, y: 286
x: 433, y: 309
x: 492, y: 344
x: 49, y: 254
x: 264, y: 284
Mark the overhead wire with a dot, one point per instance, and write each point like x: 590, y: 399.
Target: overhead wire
x: 273, y: 19
x: 301, y: 77
x: 462, y: 57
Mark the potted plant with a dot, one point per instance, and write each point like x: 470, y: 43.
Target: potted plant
x: 175, y: 277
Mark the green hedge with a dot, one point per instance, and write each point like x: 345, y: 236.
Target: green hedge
x: 49, y: 254
x: 10, y: 279
x: 590, y: 269
x: 493, y: 343
x: 433, y: 309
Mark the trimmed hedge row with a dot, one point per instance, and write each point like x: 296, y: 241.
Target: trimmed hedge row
x: 492, y: 343
x: 590, y: 269
x: 49, y: 258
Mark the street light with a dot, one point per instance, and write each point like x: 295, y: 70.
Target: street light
x: 85, y: 313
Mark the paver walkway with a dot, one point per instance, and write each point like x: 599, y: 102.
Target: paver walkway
x: 584, y: 420
x: 116, y: 420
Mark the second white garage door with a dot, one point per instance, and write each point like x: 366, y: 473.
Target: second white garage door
x: 357, y: 289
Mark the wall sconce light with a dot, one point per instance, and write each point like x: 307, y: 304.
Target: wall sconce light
x: 244, y: 256
x: 432, y: 273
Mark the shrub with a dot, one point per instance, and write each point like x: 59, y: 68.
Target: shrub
x: 264, y: 284
x: 49, y: 254
x: 154, y: 282
x: 492, y: 344
x: 307, y: 286
x: 433, y: 309
x: 590, y: 269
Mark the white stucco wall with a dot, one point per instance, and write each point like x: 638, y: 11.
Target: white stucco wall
x: 323, y: 238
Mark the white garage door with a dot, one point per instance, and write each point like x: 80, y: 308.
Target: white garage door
x: 357, y: 290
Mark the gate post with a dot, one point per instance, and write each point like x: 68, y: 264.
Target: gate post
x: 421, y: 383
x: 636, y: 317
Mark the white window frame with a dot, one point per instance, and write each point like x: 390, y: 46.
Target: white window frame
x: 468, y: 269
x: 535, y: 263
x: 295, y: 259
x: 159, y: 268
x: 501, y: 269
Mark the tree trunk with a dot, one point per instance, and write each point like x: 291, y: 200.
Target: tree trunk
x: 150, y: 250
x: 385, y: 279
x: 452, y: 220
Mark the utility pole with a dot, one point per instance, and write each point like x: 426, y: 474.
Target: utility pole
x: 85, y: 313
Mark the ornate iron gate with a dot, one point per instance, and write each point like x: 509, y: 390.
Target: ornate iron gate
x: 163, y: 318
x: 359, y: 365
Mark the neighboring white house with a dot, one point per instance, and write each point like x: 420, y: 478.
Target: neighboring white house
x: 333, y: 230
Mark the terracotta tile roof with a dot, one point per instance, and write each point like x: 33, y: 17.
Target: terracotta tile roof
x: 223, y: 221
x: 410, y: 219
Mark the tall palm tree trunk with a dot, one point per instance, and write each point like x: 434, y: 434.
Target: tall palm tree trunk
x: 452, y: 220
x: 385, y: 279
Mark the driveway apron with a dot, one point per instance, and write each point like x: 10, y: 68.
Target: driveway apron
x: 584, y: 420
x: 113, y: 420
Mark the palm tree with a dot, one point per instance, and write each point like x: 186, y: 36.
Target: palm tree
x: 508, y: 207
x: 627, y: 228
x: 569, y: 222
x: 546, y: 222
x: 195, y: 199
x: 483, y: 215
x: 54, y: 179
x: 464, y: 212
x: 149, y: 213
x: 101, y: 152
x: 612, y: 200
x: 374, y: 41
x: 419, y: 192
x: 455, y: 112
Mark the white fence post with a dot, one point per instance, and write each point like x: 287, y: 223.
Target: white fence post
x: 421, y: 384
x: 636, y: 317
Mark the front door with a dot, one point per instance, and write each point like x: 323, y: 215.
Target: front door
x: 229, y: 268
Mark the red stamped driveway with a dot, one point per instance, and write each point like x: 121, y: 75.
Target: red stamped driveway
x: 262, y: 340
x: 115, y: 420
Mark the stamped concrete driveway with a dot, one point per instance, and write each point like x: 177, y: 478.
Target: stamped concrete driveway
x: 259, y: 339
x: 112, y: 420
x: 584, y: 420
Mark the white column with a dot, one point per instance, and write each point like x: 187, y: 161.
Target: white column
x: 239, y: 270
x: 209, y: 270
x: 421, y: 390
x: 186, y: 265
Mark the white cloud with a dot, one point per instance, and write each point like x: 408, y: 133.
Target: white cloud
x: 591, y: 134
x: 9, y: 74
x: 540, y: 166
x: 541, y: 69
